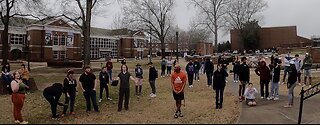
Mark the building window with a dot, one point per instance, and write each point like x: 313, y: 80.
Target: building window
x: 59, y: 55
x: 55, y: 55
x: 62, y: 55
x: 63, y: 40
x: 55, y: 40
x: 17, y: 39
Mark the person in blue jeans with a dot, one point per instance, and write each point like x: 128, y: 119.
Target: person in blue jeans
x: 208, y: 69
x: 292, y: 79
x: 88, y: 86
x: 275, y: 80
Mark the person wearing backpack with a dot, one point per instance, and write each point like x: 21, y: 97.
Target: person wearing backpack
x: 190, y: 71
x: 139, y: 72
x: 153, y: 75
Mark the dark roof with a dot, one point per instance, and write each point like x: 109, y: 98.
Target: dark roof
x: 106, y: 32
x: 23, y: 22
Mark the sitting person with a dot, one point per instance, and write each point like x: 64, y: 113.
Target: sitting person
x: 250, y: 95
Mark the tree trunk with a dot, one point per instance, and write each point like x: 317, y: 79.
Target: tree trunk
x: 163, y: 49
x: 4, y: 39
x: 86, y: 34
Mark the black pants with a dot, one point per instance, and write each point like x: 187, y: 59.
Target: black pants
x: 264, y: 84
x: 101, y: 90
x: 70, y: 99
x: 242, y: 87
x: 299, y: 77
x: 53, y: 104
x: 219, y: 97
x: 126, y: 93
x: 91, y: 95
x: 169, y: 70
x: 163, y: 70
x: 153, y: 86
x: 190, y: 78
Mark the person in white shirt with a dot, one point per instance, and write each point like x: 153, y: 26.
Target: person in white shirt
x: 169, y: 66
x: 298, y: 63
x: 286, y: 59
x: 249, y: 94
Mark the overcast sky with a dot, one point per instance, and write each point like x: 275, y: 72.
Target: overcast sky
x: 301, y: 13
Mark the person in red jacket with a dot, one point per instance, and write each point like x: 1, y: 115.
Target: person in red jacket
x: 178, y: 82
x: 264, y: 72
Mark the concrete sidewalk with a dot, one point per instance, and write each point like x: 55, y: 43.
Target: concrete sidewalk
x: 273, y: 111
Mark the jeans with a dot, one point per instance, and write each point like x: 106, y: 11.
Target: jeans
x: 66, y: 102
x: 236, y: 77
x: 196, y: 75
x: 290, y: 94
x: 286, y: 69
x: 219, y: 97
x: 126, y: 93
x: 169, y: 70
x: 110, y: 74
x: 209, y: 78
x: 153, y: 86
x: 190, y: 78
x: 101, y: 90
x: 91, y: 95
x: 275, y: 89
x: 264, y: 84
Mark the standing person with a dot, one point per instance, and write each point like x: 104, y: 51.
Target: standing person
x: 69, y: 88
x: 298, y: 64
x: 249, y: 94
x: 175, y: 62
x: 88, y: 86
x: 153, y: 75
x: 219, y: 83
x: 292, y: 79
x: 104, y: 82
x: 178, y: 83
x: 286, y: 59
x: 197, y: 67
x: 139, y: 77
x: 169, y: 66
x: 18, y: 89
x: 224, y: 63
x: 25, y: 75
x: 244, y: 77
x: 202, y: 65
x: 208, y: 69
x: 236, y: 65
x: 190, y: 71
x: 124, y: 89
x: 163, y: 67
x: 264, y: 72
x: 109, y: 66
x: 275, y: 71
x: 307, y: 63
x: 6, y: 77
x: 52, y: 95
x: 123, y: 61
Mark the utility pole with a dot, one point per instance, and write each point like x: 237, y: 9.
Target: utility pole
x: 177, y: 39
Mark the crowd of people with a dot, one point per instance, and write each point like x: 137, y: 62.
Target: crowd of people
x: 216, y: 78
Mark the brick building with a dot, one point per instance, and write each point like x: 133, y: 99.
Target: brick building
x: 273, y: 37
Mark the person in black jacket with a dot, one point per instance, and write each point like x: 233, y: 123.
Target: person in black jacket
x: 208, y: 69
x: 88, y: 86
x: 52, y: 95
x: 69, y: 88
x: 6, y: 76
x: 219, y: 83
x: 139, y: 77
x: 153, y: 75
x: 236, y: 65
x: 244, y: 77
x: 104, y: 82
x: 292, y: 79
x: 190, y: 71
x: 275, y: 80
x: 197, y: 67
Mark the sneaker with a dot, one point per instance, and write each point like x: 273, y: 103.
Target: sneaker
x: 287, y: 106
x: 72, y: 113
x: 24, y: 122
x: 100, y: 100
x: 276, y: 98
x: 310, y: 86
x: 262, y: 97
x: 55, y: 118
x: 299, y: 84
x: 190, y: 86
x: 153, y: 95
x: 198, y: 80
x: 110, y: 99
x: 176, y: 115
x: 269, y: 98
x: 180, y: 114
x: 17, y: 122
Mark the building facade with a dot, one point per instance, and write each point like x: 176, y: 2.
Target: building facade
x: 273, y: 37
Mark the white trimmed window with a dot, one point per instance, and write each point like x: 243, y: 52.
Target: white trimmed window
x: 63, y: 40
x: 55, y: 40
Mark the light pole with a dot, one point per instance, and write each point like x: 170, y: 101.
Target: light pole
x: 28, y: 50
x: 150, y: 44
x: 177, y: 39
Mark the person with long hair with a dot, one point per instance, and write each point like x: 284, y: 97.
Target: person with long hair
x: 178, y: 83
x: 153, y: 75
x: 139, y: 77
x: 25, y: 75
x: 236, y: 65
x: 124, y: 76
x: 292, y: 79
x: 264, y: 73
x: 18, y: 97
x: 69, y: 87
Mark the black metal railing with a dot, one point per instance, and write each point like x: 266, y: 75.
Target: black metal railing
x: 305, y: 94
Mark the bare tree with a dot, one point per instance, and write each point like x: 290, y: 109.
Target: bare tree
x: 117, y: 22
x: 150, y: 15
x: 243, y: 11
x: 14, y: 8
x: 80, y: 13
x: 210, y: 15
